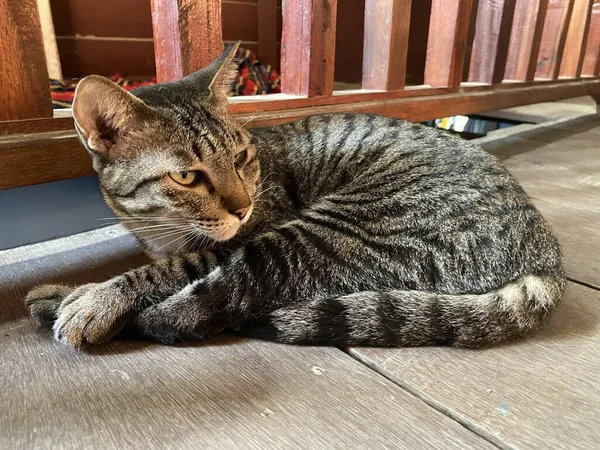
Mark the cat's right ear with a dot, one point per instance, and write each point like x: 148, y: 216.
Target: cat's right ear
x: 104, y: 112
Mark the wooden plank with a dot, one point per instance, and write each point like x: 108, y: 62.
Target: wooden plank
x: 387, y: 25
x: 446, y: 47
x: 241, y: 21
x: 24, y: 92
x: 100, y: 19
x: 525, y: 40
x: 134, y: 20
x: 267, y: 31
x: 81, y: 56
x: 591, y: 61
x: 576, y: 41
x: 36, y: 126
x: 187, y: 36
x: 224, y: 393
x: 48, y: 157
x: 416, y: 105
x: 491, y: 41
x: 519, y: 393
x: 554, y: 37
x: 308, y: 47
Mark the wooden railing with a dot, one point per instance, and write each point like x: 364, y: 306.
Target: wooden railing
x: 481, y: 55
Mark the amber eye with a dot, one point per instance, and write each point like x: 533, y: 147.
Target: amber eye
x: 240, y: 158
x: 185, y: 178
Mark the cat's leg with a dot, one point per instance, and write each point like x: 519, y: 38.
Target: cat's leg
x: 96, y: 312
x: 180, y: 317
x: 290, y: 264
x: 43, y: 302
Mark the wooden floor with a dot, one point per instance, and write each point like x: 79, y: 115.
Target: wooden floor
x: 542, y: 392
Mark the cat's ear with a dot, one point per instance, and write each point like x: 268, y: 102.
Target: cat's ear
x: 216, y: 80
x: 222, y: 82
x: 103, y: 112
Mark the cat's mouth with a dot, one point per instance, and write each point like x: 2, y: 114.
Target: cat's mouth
x: 225, y: 229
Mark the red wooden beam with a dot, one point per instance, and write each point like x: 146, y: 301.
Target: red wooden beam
x: 188, y: 35
x: 528, y: 24
x: 576, y: 41
x: 449, y: 28
x: 24, y: 90
x: 491, y: 41
x: 308, y: 47
x: 554, y: 36
x: 591, y: 61
x: 387, y: 25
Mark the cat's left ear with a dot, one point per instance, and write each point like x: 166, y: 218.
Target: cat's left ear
x: 217, y: 77
x: 222, y: 83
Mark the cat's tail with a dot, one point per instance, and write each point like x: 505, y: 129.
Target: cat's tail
x: 409, y: 318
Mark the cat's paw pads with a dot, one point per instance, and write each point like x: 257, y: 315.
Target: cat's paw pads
x: 91, y: 316
x: 43, y: 302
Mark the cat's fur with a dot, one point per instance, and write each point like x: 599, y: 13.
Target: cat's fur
x: 362, y: 230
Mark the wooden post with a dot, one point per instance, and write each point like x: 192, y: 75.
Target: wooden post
x: 577, y: 35
x: 50, y: 47
x: 591, y: 61
x: 387, y: 25
x: 24, y: 86
x: 554, y: 36
x: 188, y: 35
x: 528, y: 23
x: 449, y: 28
x: 308, y: 47
x: 491, y: 41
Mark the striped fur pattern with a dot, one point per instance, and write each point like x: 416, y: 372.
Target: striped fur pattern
x: 362, y: 230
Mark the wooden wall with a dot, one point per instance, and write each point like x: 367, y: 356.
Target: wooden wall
x: 110, y: 36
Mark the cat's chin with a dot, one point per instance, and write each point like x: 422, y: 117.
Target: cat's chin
x: 225, y: 234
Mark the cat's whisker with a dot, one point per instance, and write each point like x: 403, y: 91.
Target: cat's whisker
x: 187, y: 241
x: 157, y: 227
x: 250, y: 119
x: 165, y: 234
x: 170, y: 242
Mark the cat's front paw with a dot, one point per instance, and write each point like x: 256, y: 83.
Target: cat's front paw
x: 43, y: 302
x: 91, y: 314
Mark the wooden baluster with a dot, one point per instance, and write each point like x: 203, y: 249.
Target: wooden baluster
x: 308, y: 47
x: 553, y: 40
x: 591, y: 61
x: 387, y: 25
x: 188, y: 35
x: 448, y: 40
x: 526, y: 36
x: 267, y: 31
x: 24, y: 86
x: 492, y: 37
x: 577, y: 35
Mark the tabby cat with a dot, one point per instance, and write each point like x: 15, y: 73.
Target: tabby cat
x: 332, y: 230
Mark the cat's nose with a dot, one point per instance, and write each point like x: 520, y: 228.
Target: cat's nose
x: 240, y: 213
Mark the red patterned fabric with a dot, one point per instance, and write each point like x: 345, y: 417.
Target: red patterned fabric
x: 254, y: 79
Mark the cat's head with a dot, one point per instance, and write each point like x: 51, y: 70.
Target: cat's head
x: 172, y: 163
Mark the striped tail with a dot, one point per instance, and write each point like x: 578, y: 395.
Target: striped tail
x: 409, y: 318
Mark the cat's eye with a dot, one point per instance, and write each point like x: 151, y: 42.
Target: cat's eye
x: 240, y: 158
x: 185, y: 178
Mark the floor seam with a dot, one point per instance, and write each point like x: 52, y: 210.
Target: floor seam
x: 431, y: 402
x: 584, y: 283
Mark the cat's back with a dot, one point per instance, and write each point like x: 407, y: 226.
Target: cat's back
x: 354, y: 144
